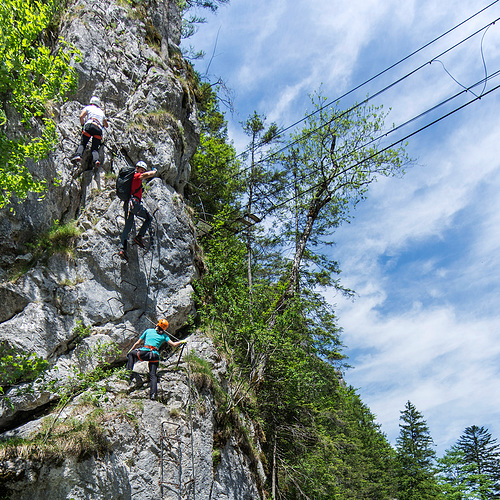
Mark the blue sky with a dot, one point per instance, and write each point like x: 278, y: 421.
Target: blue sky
x: 422, y: 251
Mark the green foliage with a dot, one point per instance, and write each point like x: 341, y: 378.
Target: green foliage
x: 471, y: 468
x: 81, y: 331
x: 203, y: 377
x: 74, y: 437
x: 452, y: 476
x: 60, y: 238
x: 214, y: 184
x: 321, y: 428
x: 17, y: 366
x: 321, y: 441
x: 32, y: 77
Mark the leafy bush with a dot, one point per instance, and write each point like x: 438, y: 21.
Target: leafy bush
x: 59, y: 239
x: 32, y: 77
x: 57, y: 440
x: 19, y: 366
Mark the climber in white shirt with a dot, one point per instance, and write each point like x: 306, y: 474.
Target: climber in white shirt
x: 93, y: 120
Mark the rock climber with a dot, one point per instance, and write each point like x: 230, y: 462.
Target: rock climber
x: 153, y: 339
x: 134, y: 207
x: 93, y: 120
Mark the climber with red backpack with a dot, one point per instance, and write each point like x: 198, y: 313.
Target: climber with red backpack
x: 129, y: 189
x: 153, y: 339
x: 93, y: 120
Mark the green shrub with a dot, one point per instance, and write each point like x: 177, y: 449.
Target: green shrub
x: 58, y: 239
x: 19, y: 366
x: 57, y: 440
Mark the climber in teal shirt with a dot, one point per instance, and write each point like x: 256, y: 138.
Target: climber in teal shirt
x: 153, y: 339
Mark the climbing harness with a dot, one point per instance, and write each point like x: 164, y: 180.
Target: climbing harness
x: 95, y: 136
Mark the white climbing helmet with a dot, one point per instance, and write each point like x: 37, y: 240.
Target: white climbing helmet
x: 142, y: 164
x: 95, y: 101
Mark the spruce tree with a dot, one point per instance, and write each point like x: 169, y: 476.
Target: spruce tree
x: 481, y: 462
x: 415, y: 458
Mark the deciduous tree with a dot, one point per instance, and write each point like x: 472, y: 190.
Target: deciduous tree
x: 32, y: 76
x: 215, y: 183
x: 334, y: 159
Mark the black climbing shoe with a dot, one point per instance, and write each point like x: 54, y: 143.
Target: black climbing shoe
x: 153, y: 397
x: 76, y: 159
x: 123, y: 255
x: 139, y: 241
x: 97, y: 164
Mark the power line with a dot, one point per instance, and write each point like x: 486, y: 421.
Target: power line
x: 395, y: 129
x: 434, y: 59
x: 476, y: 98
x: 380, y: 92
x: 388, y: 69
x: 484, y: 64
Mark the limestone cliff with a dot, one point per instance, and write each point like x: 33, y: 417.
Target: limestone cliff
x: 131, y: 60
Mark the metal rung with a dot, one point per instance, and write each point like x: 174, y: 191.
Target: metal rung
x: 179, y: 487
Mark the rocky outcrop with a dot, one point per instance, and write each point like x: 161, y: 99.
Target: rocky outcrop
x: 148, y: 449
x: 131, y: 60
x: 65, y: 307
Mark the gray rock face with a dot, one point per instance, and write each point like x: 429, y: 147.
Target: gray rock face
x: 127, y: 61
x: 131, y: 60
x: 155, y: 449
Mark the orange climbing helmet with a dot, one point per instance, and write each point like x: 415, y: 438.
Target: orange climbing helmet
x: 163, y: 324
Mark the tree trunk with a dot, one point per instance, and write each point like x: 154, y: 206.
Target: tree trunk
x: 321, y: 198
x: 274, y: 472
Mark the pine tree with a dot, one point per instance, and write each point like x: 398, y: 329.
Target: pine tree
x: 256, y: 176
x: 415, y: 458
x: 452, y: 478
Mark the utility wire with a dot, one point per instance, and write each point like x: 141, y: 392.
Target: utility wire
x: 434, y: 59
x: 274, y: 207
x: 385, y: 71
x: 484, y: 65
x: 395, y: 129
x: 385, y: 134
x: 368, y: 99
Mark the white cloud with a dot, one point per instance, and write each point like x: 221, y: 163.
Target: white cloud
x: 429, y: 357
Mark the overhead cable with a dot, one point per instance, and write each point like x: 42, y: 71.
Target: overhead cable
x: 395, y: 129
x: 368, y: 99
x: 421, y: 129
x: 392, y: 66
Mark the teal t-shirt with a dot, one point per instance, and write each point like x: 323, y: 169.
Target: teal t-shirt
x: 153, y: 338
